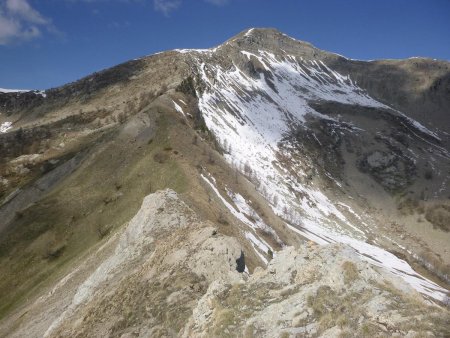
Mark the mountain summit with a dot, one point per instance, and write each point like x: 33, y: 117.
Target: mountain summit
x: 263, y: 187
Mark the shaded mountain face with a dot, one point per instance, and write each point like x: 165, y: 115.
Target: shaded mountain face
x: 271, y: 140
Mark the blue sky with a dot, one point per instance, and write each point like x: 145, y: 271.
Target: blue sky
x: 47, y: 43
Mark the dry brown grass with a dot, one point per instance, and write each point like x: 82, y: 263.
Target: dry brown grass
x: 351, y: 272
x: 429, y: 318
x: 439, y: 216
x: 83, y: 209
x: 435, y: 265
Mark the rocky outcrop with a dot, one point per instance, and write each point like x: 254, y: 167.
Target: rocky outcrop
x: 153, y: 274
x: 17, y: 101
x: 315, y: 291
x: 388, y: 169
x: 168, y: 274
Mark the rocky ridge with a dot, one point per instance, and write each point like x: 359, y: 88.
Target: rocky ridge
x: 167, y: 273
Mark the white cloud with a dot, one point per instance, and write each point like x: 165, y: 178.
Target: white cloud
x: 217, y: 2
x: 164, y: 6
x: 19, y: 21
x: 22, y: 8
x: 167, y: 6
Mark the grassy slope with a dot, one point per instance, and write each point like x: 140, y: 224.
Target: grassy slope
x: 101, y: 195
x: 106, y: 191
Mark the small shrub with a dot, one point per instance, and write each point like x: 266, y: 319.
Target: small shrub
x: 439, y: 216
x: 162, y: 90
x: 323, y: 301
x: 222, y: 219
x: 161, y: 157
x: 247, y: 169
x: 342, y: 321
x: 122, y: 117
x: 187, y: 87
x: 19, y: 214
x: 103, y: 231
x: 54, y: 251
x: 350, y: 272
x: 326, y: 322
x: 249, y: 331
x: 211, y: 158
x: 346, y: 334
x: 369, y: 330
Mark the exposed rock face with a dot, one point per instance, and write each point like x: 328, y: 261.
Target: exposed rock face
x: 388, y: 169
x: 17, y: 101
x: 153, y: 273
x: 316, y: 291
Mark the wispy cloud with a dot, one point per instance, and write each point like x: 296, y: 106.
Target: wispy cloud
x: 19, y: 21
x: 164, y: 6
x: 218, y: 2
x: 168, y: 6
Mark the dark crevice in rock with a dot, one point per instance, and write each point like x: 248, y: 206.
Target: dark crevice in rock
x: 240, y: 263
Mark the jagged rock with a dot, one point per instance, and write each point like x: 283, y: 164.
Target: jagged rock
x: 162, y: 262
x: 325, y: 291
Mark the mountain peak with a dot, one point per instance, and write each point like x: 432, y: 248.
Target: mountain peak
x: 261, y: 30
x: 270, y: 39
x: 264, y: 33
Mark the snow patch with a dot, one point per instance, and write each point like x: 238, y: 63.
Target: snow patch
x: 244, y: 210
x: 39, y: 92
x: 178, y: 108
x: 249, y: 32
x: 252, y: 114
x: 4, y: 90
x: 5, y: 126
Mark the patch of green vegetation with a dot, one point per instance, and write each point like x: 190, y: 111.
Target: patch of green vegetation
x: 432, y: 318
x: 439, y: 216
x: 350, y: 272
x: 137, y: 301
x: 187, y: 86
x: 60, y: 227
x: 331, y: 308
x: 236, y: 304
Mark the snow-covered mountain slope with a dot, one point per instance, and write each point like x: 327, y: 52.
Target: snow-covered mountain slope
x: 251, y: 100
x: 272, y: 143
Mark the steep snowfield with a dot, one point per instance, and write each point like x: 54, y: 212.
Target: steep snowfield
x: 249, y: 116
